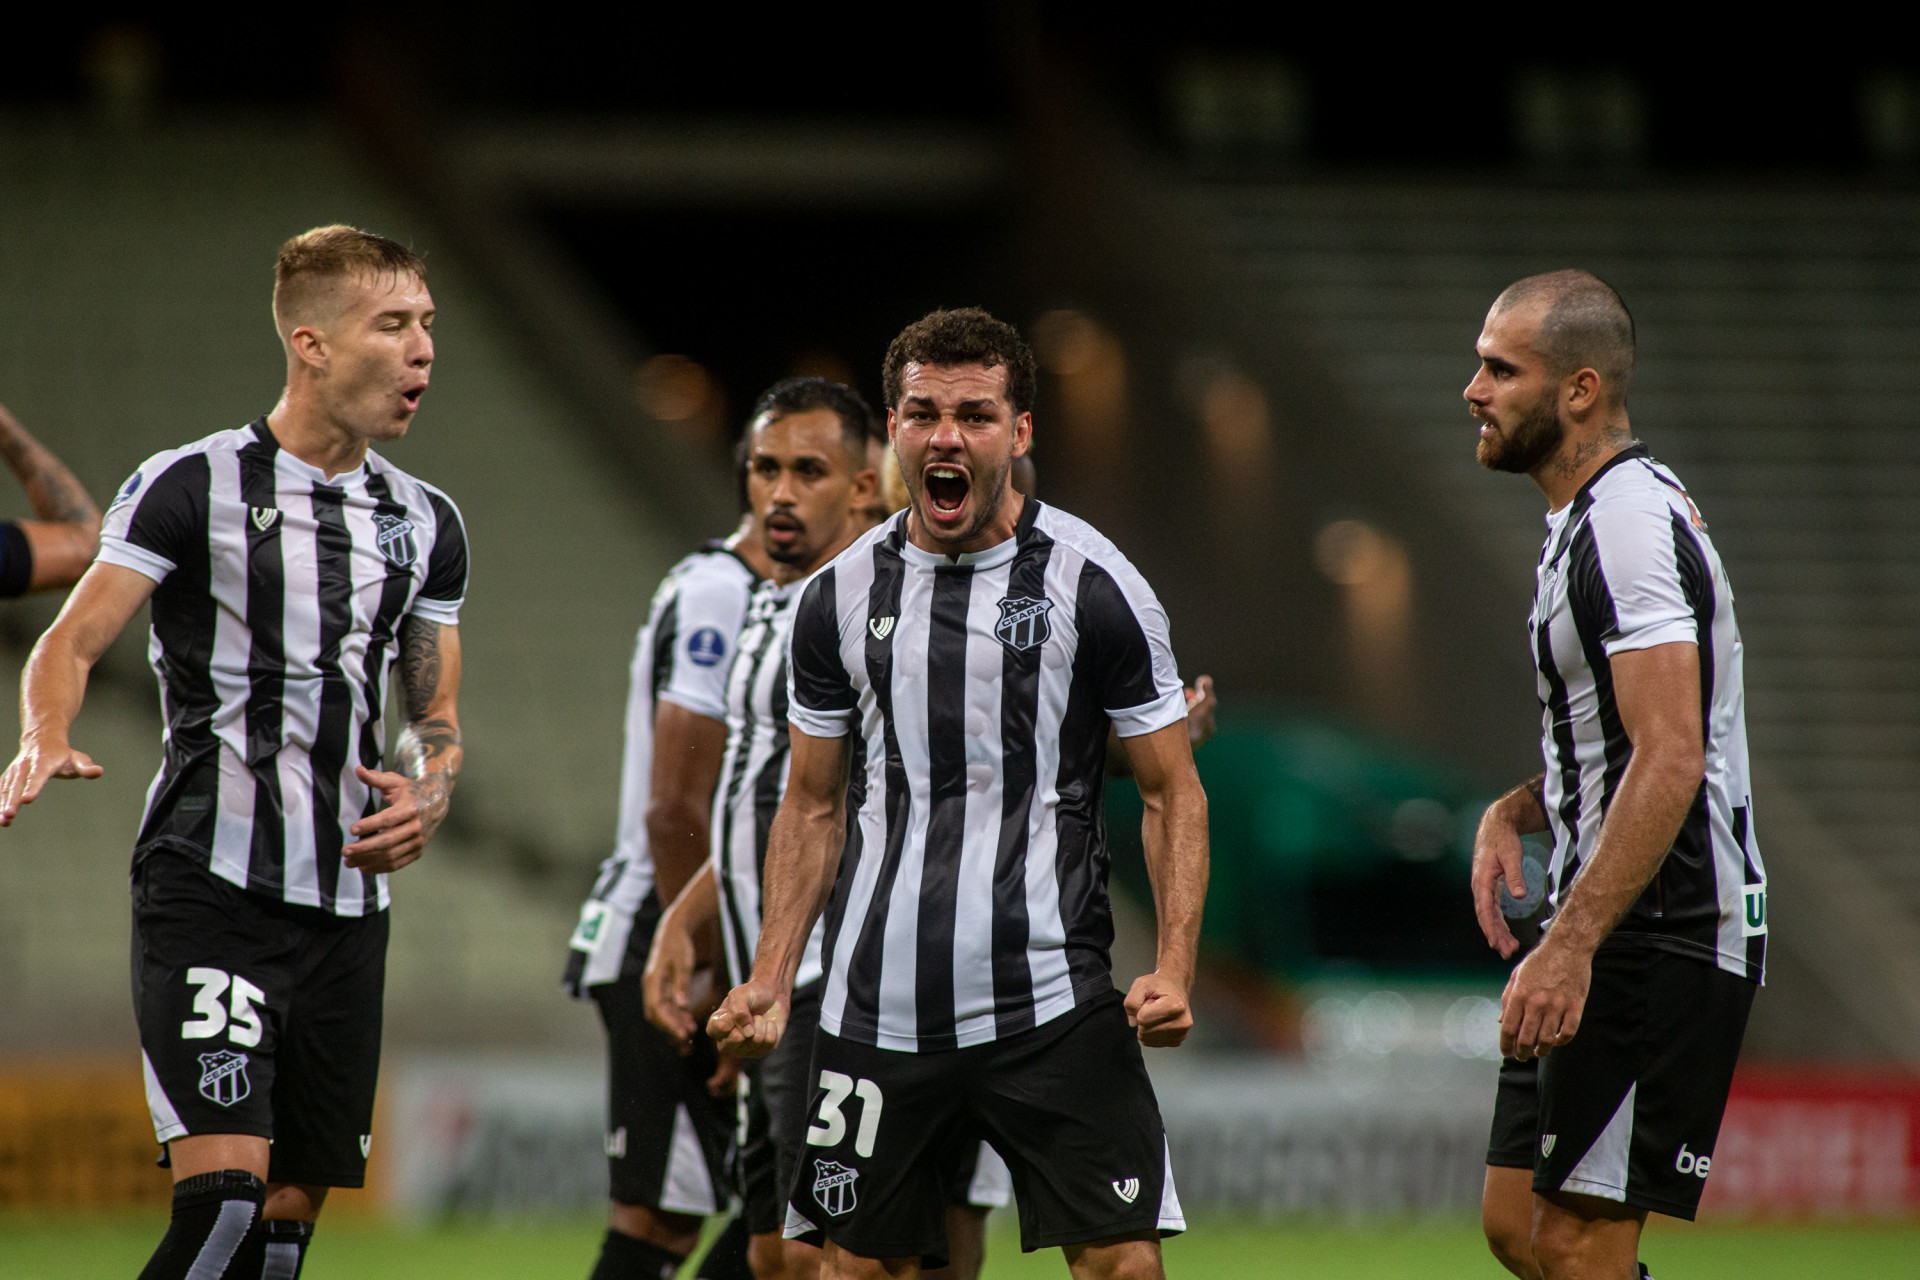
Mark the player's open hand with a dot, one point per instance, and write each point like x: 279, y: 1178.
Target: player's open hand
x: 31, y: 770
x: 1201, y: 706
x: 1496, y: 856
x: 667, y: 981
x: 398, y: 834
x: 1541, y: 1007
x: 1157, y: 1008
x: 750, y: 1021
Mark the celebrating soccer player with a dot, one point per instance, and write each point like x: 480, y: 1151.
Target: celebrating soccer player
x: 290, y: 569
x: 963, y: 663
x: 1621, y: 1029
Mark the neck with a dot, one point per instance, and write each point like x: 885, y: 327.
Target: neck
x: 305, y: 430
x: 747, y: 543
x: 787, y: 574
x: 1578, y: 459
x: 1005, y: 521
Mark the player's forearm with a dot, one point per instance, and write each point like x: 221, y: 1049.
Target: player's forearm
x: 53, y: 686
x: 1524, y: 809
x: 1655, y: 794
x: 1174, y: 833
x: 430, y: 753
x: 697, y: 904
x: 794, y: 885
x: 51, y: 489
x: 677, y: 837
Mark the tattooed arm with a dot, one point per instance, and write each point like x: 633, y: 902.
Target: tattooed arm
x: 66, y: 531
x: 429, y: 750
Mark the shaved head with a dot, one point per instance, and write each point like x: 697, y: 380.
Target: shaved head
x: 1583, y: 325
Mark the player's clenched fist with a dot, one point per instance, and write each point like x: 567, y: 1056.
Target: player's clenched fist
x: 30, y: 771
x: 1157, y: 1008
x: 749, y: 1022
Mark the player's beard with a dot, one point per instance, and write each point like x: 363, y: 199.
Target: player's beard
x: 1527, y: 444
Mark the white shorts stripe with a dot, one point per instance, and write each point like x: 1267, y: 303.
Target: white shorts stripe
x: 687, y: 1187
x: 166, y: 1120
x: 1602, y: 1171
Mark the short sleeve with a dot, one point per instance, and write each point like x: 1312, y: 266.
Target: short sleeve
x: 709, y: 608
x: 445, y: 589
x: 1124, y: 631
x: 158, y: 521
x: 820, y: 697
x: 16, y: 561
x: 1639, y: 576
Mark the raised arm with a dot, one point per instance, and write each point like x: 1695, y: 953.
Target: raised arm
x: 65, y: 534
x: 1657, y: 692
x: 55, y: 682
x: 1174, y: 832
x: 429, y: 749
x: 803, y: 850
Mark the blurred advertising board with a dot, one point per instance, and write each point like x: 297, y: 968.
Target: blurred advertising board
x: 74, y: 1134
x: 1810, y: 1142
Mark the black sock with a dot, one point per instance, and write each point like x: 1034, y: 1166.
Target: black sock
x: 215, y: 1230
x: 624, y: 1257
x: 287, y: 1241
x: 1644, y: 1273
x: 727, y: 1259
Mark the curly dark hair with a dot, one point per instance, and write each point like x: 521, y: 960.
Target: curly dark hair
x: 965, y: 335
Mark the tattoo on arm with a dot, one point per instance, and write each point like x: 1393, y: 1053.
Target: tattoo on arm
x: 419, y: 665
x: 51, y: 488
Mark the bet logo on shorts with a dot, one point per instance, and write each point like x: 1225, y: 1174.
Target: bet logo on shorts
x: 1687, y: 1162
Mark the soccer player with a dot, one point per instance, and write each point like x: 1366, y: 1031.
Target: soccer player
x: 670, y: 1114
x: 53, y: 549
x: 962, y: 663
x: 810, y: 482
x: 290, y: 569
x: 1621, y: 1027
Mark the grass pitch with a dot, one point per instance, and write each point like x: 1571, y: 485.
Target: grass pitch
x: 98, y: 1248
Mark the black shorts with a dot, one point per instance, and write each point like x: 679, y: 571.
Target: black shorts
x: 773, y: 1115
x: 669, y: 1141
x: 1630, y: 1108
x: 1067, y: 1104
x: 259, y: 1018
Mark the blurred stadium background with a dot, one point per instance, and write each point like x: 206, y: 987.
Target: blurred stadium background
x: 1254, y: 260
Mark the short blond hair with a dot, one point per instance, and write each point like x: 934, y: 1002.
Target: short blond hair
x: 313, y: 261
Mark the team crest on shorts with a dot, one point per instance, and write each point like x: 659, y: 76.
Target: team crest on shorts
x: 1023, y: 622
x: 223, y: 1077
x: 396, y: 540
x: 833, y: 1188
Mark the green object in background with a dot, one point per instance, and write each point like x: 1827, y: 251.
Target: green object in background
x: 1332, y: 852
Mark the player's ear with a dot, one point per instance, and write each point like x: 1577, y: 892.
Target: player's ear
x: 1022, y: 434
x: 308, y: 345
x: 1582, y: 391
x: 866, y: 482
x: 893, y: 428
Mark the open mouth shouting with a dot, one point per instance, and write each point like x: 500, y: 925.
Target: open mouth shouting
x: 410, y: 396
x: 947, y: 487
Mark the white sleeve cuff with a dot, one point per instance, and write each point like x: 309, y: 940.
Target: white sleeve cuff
x: 1169, y: 708
x: 710, y: 708
x: 123, y: 553
x: 1678, y: 629
x: 444, y: 612
x: 819, y: 724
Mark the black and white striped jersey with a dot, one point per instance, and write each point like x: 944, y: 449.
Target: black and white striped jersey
x: 971, y: 901
x: 1628, y: 565
x: 754, y: 777
x: 275, y: 623
x: 681, y: 657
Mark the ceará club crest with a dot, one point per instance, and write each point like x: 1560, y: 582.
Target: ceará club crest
x: 1023, y: 622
